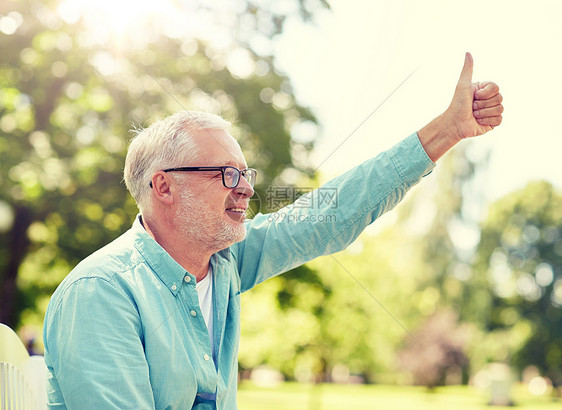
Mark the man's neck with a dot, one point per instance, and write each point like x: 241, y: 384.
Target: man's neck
x: 193, y: 257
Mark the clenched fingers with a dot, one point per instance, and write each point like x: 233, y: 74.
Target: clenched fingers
x: 488, y: 112
x: 492, y: 121
x: 491, y: 102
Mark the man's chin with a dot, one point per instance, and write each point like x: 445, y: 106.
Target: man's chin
x: 239, y: 234
x: 235, y: 233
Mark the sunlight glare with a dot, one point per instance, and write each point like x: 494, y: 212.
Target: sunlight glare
x: 117, y: 16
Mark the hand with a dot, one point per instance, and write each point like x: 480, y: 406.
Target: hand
x: 476, y: 107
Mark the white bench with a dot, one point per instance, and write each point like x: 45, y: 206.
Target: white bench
x: 23, y: 378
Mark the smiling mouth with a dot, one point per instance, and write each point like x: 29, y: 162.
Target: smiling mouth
x: 237, y: 210
x: 236, y: 214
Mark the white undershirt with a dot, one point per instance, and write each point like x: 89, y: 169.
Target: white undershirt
x: 205, y: 292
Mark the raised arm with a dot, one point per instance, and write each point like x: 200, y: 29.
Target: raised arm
x: 331, y: 217
x: 278, y: 242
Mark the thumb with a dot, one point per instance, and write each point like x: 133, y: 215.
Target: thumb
x: 466, y: 75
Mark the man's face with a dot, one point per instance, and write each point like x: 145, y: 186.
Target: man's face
x: 209, y: 212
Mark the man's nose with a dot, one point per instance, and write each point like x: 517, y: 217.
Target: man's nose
x: 244, y: 188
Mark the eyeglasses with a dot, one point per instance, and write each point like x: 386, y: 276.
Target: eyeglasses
x: 230, y: 175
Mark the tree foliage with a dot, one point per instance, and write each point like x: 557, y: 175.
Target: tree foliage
x: 520, y: 256
x: 328, y: 322
x: 70, y: 92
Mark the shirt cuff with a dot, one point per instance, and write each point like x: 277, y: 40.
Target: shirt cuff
x: 410, y: 159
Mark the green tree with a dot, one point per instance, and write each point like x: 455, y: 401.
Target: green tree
x: 326, y: 322
x: 69, y: 94
x: 520, y: 259
x: 448, y: 245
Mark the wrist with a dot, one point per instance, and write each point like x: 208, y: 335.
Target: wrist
x: 438, y: 137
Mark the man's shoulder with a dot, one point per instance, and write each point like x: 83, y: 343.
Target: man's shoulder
x: 109, y: 263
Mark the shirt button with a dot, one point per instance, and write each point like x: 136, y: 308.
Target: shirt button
x: 174, y: 287
x: 187, y: 278
x: 193, y: 313
x: 206, y: 357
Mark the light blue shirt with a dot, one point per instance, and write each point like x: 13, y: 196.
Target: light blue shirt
x: 124, y: 329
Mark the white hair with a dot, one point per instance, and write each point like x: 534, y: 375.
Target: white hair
x: 165, y: 144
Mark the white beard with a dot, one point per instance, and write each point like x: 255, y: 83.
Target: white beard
x: 201, y: 225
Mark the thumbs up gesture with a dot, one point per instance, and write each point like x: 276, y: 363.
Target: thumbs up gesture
x: 476, y: 108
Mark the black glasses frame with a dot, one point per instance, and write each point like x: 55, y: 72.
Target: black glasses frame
x: 248, y: 171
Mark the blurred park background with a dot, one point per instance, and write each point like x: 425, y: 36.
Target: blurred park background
x: 460, y: 285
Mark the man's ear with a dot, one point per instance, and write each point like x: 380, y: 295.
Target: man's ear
x: 162, y: 188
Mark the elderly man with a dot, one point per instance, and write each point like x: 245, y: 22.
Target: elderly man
x: 152, y: 320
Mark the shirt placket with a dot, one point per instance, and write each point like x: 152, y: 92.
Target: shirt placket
x: 196, y: 337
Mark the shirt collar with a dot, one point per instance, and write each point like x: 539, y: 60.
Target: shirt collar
x: 166, y: 268
x: 171, y: 273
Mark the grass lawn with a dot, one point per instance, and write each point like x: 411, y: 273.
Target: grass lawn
x: 295, y: 396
